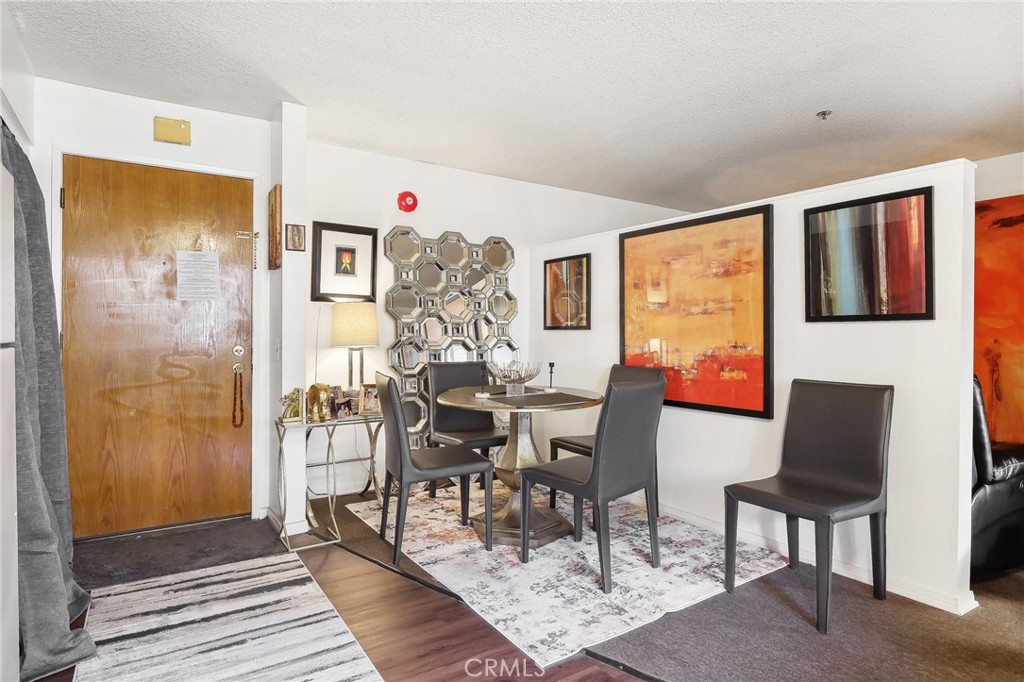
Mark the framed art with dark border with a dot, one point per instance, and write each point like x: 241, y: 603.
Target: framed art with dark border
x: 870, y: 259
x: 567, y: 292
x: 695, y: 299
x: 344, y: 262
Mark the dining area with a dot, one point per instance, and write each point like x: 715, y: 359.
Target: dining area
x: 464, y: 442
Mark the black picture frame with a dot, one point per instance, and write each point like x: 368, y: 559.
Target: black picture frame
x: 719, y: 247
x: 330, y: 285
x: 845, y: 244
x: 576, y: 293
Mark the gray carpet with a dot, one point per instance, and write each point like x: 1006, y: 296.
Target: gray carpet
x: 765, y: 631
x: 110, y: 561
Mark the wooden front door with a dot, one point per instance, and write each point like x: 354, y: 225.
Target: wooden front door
x: 157, y: 305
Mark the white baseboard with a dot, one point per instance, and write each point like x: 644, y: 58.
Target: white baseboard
x: 957, y: 604
x: 294, y: 528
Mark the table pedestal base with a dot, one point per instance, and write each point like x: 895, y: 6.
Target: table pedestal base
x: 546, y: 525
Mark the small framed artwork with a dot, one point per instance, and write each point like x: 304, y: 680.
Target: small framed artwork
x: 368, y: 401
x: 274, y: 228
x: 295, y: 237
x: 870, y: 259
x: 344, y: 262
x: 696, y: 301
x: 567, y: 292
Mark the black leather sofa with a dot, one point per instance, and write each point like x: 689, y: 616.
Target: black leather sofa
x: 997, y: 499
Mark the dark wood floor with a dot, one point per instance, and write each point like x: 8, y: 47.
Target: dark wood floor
x: 411, y: 632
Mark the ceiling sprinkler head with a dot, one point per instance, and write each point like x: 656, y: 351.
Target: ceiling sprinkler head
x: 824, y: 113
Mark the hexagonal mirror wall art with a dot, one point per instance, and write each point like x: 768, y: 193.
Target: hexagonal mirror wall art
x: 448, y: 306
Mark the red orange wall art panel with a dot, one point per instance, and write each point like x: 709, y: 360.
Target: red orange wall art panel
x: 999, y: 313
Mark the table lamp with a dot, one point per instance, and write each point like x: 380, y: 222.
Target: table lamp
x: 354, y: 325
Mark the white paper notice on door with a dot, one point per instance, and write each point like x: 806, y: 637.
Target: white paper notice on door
x: 198, y: 276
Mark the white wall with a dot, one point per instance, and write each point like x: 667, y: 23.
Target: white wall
x: 1002, y: 176
x: 78, y: 120
x: 360, y: 188
x: 928, y: 362
x: 17, y: 82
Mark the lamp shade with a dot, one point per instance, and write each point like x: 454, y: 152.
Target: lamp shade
x: 354, y: 325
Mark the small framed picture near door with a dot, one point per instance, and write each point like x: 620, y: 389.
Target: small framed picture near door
x: 567, y: 292
x: 274, y: 228
x: 344, y: 262
x: 295, y: 237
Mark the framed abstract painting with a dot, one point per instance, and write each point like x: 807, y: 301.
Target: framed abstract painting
x: 696, y: 301
x: 567, y: 292
x: 870, y: 259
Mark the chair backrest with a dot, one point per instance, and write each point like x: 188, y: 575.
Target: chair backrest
x: 442, y: 376
x: 626, y: 442
x: 622, y: 373
x: 982, y: 440
x: 837, y: 434
x: 396, y: 435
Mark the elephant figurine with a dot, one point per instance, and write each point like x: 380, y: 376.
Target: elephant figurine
x: 318, y: 403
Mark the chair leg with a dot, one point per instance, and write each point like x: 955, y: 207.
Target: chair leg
x: 604, y: 546
x: 577, y: 518
x: 823, y: 569
x: 488, y: 511
x: 552, y: 458
x: 464, y: 498
x: 524, y: 538
x: 403, y: 504
x: 486, y: 453
x: 432, y: 489
x: 388, y: 480
x: 652, y: 523
x: 793, y: 532
x: 878, y: 553
x: 732, y: 507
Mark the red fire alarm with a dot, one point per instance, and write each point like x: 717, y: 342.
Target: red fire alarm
x: 407, y: 202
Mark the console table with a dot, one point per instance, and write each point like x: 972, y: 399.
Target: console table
x: 373, y: 423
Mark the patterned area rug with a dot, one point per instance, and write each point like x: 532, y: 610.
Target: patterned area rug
x: 262, y: 619
x: 553, y: 606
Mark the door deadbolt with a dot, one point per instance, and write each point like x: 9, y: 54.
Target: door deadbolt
x: 238, y: 351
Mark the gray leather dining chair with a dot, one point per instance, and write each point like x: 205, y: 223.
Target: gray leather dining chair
x: 584, y: 445
x: 454, y: 426
x: 623, y: 462
x: 407, y: 466
x: 835, y: 452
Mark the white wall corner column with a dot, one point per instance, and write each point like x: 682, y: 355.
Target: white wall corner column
x: 289, y: 159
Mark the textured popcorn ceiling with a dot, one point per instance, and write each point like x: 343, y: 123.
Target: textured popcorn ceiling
x: 691, y: 106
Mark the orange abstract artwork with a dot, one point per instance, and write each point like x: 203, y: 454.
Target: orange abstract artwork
x: 695, y: 302
x: 999, y: 314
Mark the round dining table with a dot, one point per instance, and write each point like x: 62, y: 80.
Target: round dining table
x: 520, y: 452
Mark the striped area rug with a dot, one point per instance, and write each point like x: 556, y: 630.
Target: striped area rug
x: 262, y: 619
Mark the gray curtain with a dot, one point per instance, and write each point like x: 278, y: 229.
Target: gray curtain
x: 48, y: 596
